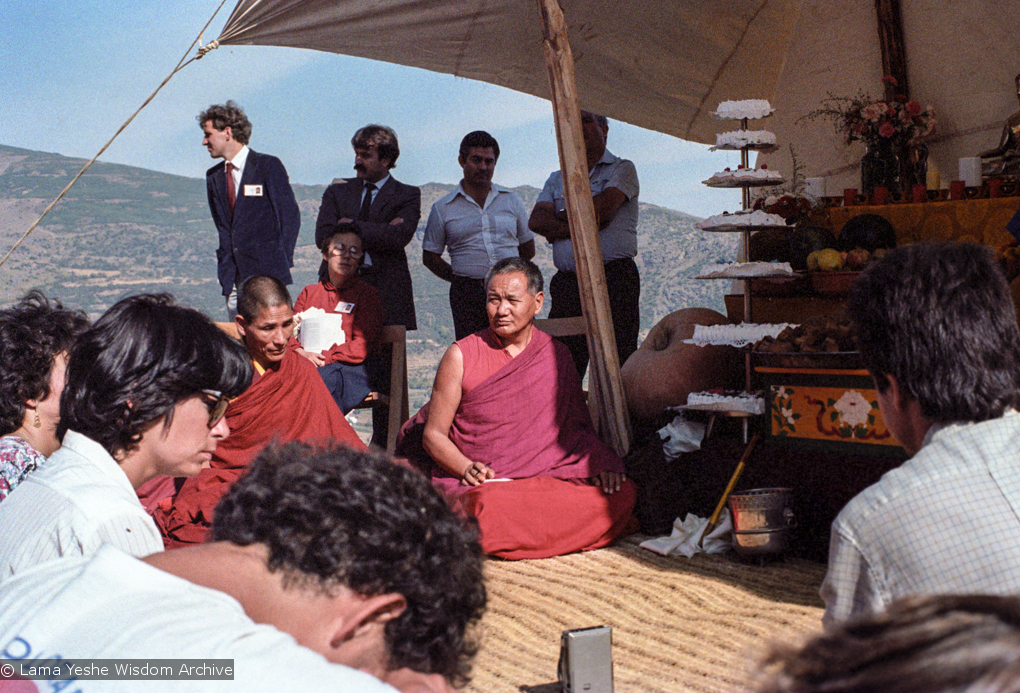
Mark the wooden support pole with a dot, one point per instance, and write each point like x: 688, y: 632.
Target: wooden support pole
x: 604, y: 381
x: 894, y: 52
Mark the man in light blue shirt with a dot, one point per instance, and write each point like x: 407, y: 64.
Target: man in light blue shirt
x: 479, y: 223
x: 614, y: 189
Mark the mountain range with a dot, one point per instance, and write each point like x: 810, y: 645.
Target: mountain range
x: 124, y: 229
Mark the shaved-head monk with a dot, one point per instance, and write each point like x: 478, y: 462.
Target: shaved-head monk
x: 507, y: 433
x: 286, y: 401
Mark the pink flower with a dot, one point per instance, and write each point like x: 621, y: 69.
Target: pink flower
x: 886, y: 130
x: 873, y: 111
x: 913, y: 108
x: 889, y: 79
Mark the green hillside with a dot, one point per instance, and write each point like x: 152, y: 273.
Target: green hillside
x: 123, y: 230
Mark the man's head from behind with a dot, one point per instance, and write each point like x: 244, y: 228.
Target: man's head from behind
x: 335, y: 518
x: 933, y: 644
x: 938, y: 319
x: 137, y: 362
x: 265, y: 319
x: 375, y: 152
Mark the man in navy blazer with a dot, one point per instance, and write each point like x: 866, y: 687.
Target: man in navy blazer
x: 256, y: 216
x: 387, y: 219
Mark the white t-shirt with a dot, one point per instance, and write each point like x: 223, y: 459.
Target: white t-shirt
x: 78, y: 500
x: 113, y: 606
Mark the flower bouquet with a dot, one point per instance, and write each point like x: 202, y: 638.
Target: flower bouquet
x: 888, y: 127
x: 898, y: 121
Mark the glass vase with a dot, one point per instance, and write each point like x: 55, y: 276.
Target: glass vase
x: 880, y: 166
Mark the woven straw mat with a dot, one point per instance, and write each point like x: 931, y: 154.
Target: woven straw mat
x: 679, y: 624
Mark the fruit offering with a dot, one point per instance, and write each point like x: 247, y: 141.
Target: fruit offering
x: 819, y: 333
x: 832, y: 260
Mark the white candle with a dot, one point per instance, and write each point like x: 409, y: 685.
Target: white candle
x: 970, y: 171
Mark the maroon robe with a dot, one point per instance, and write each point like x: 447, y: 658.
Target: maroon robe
x: 285, y: 404
x: 528, y: 422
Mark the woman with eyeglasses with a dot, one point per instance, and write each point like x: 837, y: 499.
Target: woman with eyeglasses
x: 147, y: 387
x: 342, y: 366
x: 35, y: 337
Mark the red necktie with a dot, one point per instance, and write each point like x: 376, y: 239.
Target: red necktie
x: 230, y: 185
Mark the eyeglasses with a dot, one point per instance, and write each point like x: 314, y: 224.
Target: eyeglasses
x: 217, y: 405
x: 335, y: 250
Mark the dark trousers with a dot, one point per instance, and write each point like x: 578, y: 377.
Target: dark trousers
x: 348, y: 383
x: 378, y: 366
x: 467, y: 304
x: 624, y: 286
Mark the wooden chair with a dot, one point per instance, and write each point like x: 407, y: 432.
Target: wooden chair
x: 568, y: 327
x: 396, y: 399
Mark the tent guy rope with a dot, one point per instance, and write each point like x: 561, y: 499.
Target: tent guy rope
x: 181, y: 64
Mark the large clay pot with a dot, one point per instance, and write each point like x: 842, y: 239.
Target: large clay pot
x: 664, y: 370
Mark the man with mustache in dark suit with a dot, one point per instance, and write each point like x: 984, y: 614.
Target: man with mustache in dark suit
x: 386, y: 213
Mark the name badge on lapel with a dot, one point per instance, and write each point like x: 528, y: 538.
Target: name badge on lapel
x: 253, y: 191
x: 343, y: 307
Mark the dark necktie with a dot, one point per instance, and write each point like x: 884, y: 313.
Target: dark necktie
x: 230, y: 185
x: 366, y: 204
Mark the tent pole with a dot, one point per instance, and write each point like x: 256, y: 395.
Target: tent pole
x: 604, y: 378
x: 894, y: 52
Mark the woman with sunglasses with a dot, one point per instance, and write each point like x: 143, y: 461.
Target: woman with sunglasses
x: 342, y: 366
x: 146, y: 390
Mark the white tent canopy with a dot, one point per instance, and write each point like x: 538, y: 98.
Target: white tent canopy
x: 666, y: 65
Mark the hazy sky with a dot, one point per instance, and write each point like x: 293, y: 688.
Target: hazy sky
x: 74, y: 71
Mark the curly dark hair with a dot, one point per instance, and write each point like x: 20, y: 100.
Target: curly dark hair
x: 333, y: 516
x: 228, y: 115
x: 32, y: 332
x: 930, y: 644
x: 142, y: 357
x: 938, y: 317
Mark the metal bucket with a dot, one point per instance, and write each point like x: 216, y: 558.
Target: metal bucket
x: 762, y: 521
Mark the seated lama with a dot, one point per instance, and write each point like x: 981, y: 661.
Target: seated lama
x: 508, y: 437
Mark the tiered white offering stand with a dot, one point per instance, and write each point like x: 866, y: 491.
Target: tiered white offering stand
x: 745, y: 234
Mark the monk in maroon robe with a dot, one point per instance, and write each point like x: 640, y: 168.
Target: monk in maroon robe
x: 507, y: 434
x: 286, y: 401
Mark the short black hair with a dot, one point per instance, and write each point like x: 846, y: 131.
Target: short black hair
x: 260, y: 292
x: 478, y: 138
x: 334, y: 516
x: 923, y: 644
x: 228, y: 115
x: 343, y: 227
x: 32, y: 332
x: 141, y: 357
x: 509, y: 265
x: 939, y: 318
x: 383, y: 138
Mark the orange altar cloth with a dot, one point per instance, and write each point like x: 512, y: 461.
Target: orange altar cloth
x: 977, y: 220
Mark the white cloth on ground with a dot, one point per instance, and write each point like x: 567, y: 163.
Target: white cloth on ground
x: 686, y: 537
